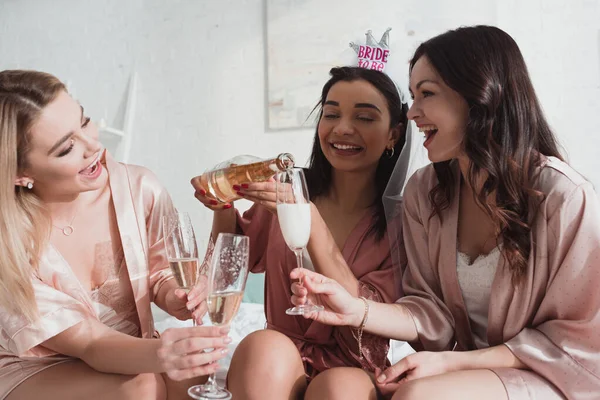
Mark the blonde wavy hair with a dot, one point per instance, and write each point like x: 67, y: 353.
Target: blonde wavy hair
x: 24, y: 222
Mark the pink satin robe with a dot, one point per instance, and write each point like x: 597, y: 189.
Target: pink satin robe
x: 551, y: 321
x: 139, y: 202
x: 320, y: 346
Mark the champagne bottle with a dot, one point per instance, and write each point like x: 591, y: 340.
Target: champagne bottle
x: 219, y: 181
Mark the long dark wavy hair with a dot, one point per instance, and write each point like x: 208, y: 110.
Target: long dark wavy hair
x: 318, y: 173
x: 506, y: 134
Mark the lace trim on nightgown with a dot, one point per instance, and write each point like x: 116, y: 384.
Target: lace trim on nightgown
x: 475, y: 280
x: 114, y: 302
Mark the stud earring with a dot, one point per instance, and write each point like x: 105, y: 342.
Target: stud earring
x: 29, y: 185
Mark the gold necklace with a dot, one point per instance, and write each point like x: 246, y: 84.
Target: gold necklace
x: 67, y: 230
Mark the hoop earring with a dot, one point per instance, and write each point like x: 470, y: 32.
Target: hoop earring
x: 389, y: 152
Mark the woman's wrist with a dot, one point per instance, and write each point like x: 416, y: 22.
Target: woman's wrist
x: 358, y: 312
x: 499, y: 356
x: 224, y: 221
x: 169, y: 284
x: 226, y: 212
x: 456, y: 360
x: 491, y: 357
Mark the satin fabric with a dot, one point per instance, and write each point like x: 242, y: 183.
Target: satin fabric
x: 550, y: 320
x: 321, y: 346
x: 140, y: 201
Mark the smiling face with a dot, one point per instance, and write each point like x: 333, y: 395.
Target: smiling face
x: 354, y: 129
x: 64, y: 156
x: 440, y: 112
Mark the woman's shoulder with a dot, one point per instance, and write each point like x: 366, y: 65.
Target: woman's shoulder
x: 416, y: 192
x: 557, y: 178
x: 145, y: 185
x: 139, y: 172
x: 421, y: 182
x: 134, y: 174
x: 558, y: 182
x: 140, y: 176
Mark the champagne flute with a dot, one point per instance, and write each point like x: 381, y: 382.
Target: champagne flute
x: 293, y: 213
x: 226, y: 284
x: 182, y: 252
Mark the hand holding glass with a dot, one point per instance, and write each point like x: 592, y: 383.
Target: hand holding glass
x: 293, y: 213
x: 226, y: 284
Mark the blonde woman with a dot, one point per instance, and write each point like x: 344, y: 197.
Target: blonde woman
x: 81, y: 258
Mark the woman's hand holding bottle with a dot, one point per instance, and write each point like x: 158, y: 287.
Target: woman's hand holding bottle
x: 262, y: 193
x: 205, y: 197
x: 241, y: 177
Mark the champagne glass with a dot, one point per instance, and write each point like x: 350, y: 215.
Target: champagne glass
x: 293, y: 213
x: 182, y: 252
x: 226, y: 284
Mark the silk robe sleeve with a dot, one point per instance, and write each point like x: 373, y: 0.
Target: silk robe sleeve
x: 563, y: 344
x: 420, y: 279
x: 57, y: 312
x: 371, y: 264
x: 378, y: 285
x: 157, y: 203
x: 256, y: 224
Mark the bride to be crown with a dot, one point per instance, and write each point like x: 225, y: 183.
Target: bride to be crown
x: 373, y: 54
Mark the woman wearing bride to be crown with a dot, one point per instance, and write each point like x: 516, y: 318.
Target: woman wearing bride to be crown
x: 362, y: 131
x: 502, y: 239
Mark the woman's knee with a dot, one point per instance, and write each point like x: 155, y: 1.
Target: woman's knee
x: 266, y: 351
x: 417, y: 389
x: 144, y: 386
x: 465, y: 384
x: 77, y: 380
x: 266, y: 365
x: 342, y: 383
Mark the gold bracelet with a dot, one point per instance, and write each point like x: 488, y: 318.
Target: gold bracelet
x: 362, y: 327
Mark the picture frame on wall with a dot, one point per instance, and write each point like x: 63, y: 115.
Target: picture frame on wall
x: 303, y: 44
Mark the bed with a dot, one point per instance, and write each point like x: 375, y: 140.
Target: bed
x: 251, y: 318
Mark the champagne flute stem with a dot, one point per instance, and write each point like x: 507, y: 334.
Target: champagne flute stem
x: 212, y: 382
x: 192, y: 313
x: 299, y: 261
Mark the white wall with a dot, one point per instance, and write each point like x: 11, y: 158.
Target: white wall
x: 201, y: 71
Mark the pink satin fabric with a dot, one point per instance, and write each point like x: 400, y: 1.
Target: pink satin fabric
x: 139, y: 201
x: 551, y: 321
x: 320, y: 346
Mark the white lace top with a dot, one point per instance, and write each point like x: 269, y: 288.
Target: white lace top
x: 475, y: 280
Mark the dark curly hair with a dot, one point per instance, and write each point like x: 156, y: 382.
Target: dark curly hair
x: 506, y: 134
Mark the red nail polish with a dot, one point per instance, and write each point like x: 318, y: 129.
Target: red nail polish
x: 202, y: 192
x: 245, y: 186
x: 227, y: 206
x: 236, y: 187
x: 240, y: 194
x: 214, y: 202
